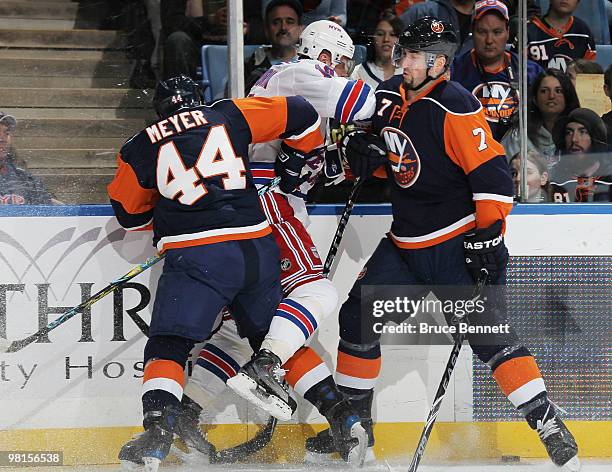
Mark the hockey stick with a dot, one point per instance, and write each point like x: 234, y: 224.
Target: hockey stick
x: 15, y: 346
x: 346, y: 213
x: 257, y: 443
x: 448, y: 372
x: 264, y: 435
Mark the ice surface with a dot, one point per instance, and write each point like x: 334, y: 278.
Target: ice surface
x: 527, y: 466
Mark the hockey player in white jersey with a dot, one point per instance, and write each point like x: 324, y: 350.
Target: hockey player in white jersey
x: 326, y: 53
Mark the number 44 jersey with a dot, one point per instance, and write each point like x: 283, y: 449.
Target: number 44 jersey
x: 188, y: 175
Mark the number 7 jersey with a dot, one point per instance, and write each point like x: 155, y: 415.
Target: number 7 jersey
x: 447, y: 174
x: 188, y: 175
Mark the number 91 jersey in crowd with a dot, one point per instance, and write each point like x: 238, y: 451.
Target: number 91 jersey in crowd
x: 188, y: 174
x: 331, y: 96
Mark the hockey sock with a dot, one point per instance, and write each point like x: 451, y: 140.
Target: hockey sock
x: 520, y: 380
x: 304, y: 370
x: 291, y: 327
x: 162, y: 386
x: 358, y: 365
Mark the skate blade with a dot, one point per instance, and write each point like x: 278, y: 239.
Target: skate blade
x: 356, y: 456
x: 131, y: 466
x: 248, y: 389
x: 573, y: 465
x: 333, y: 458
x: 151, y: 464
x: 191, y: 458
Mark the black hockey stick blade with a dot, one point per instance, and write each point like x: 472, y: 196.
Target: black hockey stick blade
x: 257, y: 443
x: 17, y: 345
x: 446, y: 376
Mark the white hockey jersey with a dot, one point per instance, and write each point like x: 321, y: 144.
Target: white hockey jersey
x: 332, y: 97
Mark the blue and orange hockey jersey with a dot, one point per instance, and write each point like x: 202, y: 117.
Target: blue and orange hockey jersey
x: 555, y: 50
x: 447, y: 174
x: 189, y: 174
x: 495, y: 89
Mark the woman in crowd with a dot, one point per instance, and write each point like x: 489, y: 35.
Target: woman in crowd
x: 379, y: 65
x: 537, y: 178
x: 552, y: 97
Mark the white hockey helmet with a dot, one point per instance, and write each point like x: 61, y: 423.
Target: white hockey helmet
x: 329, y: 36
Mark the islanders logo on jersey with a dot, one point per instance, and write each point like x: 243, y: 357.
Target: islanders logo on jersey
x: 405, y: 162
x: 499, y: 100
x: 559, y: 61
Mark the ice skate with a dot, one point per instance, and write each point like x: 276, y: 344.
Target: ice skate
x: 149, y: 448
x: 187, y: 431
x: 320, y: 449
x: 259, y: 382
x: 559, y: 442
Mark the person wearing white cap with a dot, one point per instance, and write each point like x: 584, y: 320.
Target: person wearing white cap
x: 17, y: 186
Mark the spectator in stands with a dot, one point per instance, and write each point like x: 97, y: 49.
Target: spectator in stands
x: 607, y: 117
x: 187, y: 25
x: 533, y: 9
x: 537, y: 178
x: 582, y: 66
x: 552, y: 96
x: 584, y: 172
x: 456, y: 12
x: 17, y: 186
x: 379, y: 65
x: 314, y: 10
x: 488, y: 71
x: 558, y: 37
x: 283, y: 25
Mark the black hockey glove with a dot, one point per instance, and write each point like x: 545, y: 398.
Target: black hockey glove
x: 364, y: 153
x: 288, y: 166
x: 485, y: 249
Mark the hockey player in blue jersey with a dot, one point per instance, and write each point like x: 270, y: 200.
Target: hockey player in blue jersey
x: 451, y: 191
x: 188, y: 176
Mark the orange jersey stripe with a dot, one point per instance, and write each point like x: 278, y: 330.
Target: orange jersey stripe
x: 433, y: 241
x: 358, y: 367
x: 514, y: 373
x: 590, y: 55
x: 216, y: 239
x: 266, y: 117
x: 162, y: 368
x: 468, y: 140
x: 489, y: 211
x: 126, y: 190
x: 302, y: 362
x: 307, y: 143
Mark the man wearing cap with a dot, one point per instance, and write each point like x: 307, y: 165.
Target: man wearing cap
x: 283, y: 25
x: 584, y: 171
x: 488, y: 70
x: 17, y: 186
